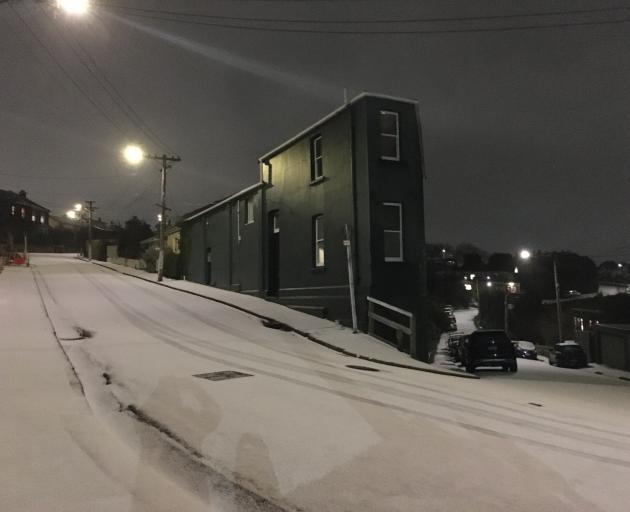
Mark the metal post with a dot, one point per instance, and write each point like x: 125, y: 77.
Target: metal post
x: 160, y: 262
x: 505, y: 309
x: 26, y: 249
x: 353, y: 305
x: 90, y: 208
x: 558, y: 308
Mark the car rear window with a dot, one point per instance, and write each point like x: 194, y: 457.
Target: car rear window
x: 485, y: 338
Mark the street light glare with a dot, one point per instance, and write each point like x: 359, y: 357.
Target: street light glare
x: 74, y: 7
x: 133, y: 154
x: 78, y: 207
x: 525, y: 254
x: 71, y: 214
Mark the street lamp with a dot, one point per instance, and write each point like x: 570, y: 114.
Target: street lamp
x: 135, y: 155
x: 74, y: 7
x: 74, y: 214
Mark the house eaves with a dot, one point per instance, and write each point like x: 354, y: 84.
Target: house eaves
x: 223, y: 202
x: 328, y: 117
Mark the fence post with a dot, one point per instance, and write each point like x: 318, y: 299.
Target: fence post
x: 370, y: 319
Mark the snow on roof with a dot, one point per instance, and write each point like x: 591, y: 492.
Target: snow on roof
x: 330, y: 116
x: 219, y: 204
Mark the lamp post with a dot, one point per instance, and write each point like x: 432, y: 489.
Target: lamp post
x: 135, y: 155
x: 76, y: 212
x: 558, y: 307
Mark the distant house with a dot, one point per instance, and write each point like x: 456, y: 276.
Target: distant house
x: 352, y: 179
x: 19, y: 215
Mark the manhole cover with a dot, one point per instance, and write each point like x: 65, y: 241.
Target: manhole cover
x: 225, y: 375
x: 364, y: 368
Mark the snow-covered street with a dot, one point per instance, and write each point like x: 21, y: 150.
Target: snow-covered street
x: 302, y: 431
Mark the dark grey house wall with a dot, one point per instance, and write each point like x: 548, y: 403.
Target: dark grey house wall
x: 298, y: 200
x: 397, y: 283
x: 355, y: 183
x: 246, y: 251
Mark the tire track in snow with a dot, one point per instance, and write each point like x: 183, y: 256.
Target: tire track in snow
x: 164, y: 333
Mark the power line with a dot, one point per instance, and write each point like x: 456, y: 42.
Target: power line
x: 346, y: 21
x: 111, y: 90
x: 512, y: 28
x: 64, y: 71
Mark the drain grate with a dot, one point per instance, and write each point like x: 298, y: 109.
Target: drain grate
x: 364, y: 368
x: 225, y: 375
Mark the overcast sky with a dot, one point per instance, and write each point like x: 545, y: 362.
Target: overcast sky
x: 526, y: 133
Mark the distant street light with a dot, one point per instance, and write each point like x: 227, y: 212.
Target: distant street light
x: 74, y: 215
x: 134, y: 155
x: 525, y: 254
x: 74, y: 7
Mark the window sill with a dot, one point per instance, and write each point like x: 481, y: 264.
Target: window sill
x: 390, y: 159
x: 395, y: 260
x: 316, y: 181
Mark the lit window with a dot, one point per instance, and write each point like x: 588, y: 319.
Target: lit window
x: 276, y: 226
x: 392, y: 231
x: 267, y: 172
x: 12, y: 210
x: 42, y: 219
x: 390, y: 147
x: 249, y: 210
x: 318, y: 240
x: 23, y: 212
x: 317, y: 164
x: 33, y: 218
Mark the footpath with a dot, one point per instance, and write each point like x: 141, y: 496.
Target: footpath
x: 321, y: 331
x: 55, y: 455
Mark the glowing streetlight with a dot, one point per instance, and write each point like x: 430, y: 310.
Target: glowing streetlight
x: 472, y: 276
x: 525, y: 254
x: 133, y: 154
x: 159, y: 217
x: 71, y: 214
x: 78, y: 207
x: 74, y: 7
x: 489, y: 284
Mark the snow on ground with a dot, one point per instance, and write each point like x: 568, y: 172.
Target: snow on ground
x: 305, y: 431
x: 324, y: 330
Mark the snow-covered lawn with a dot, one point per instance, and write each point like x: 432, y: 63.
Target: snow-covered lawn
x: 305, y: 431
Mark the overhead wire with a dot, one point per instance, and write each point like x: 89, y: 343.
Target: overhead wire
x: 65, y: 72
x: 127, y: 110
x: 348, y: 21
x: 199, y: 19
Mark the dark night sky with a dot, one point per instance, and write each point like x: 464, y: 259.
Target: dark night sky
x: 526, y: 133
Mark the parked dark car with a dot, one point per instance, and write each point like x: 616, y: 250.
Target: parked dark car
x: 525, y: 350
x: 453, y: 345
x: 488, y: 348
x: 568, y: 355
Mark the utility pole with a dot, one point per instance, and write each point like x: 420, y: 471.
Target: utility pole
x: 558, y: 308
x: 90, y: 209
x: 165, y: 166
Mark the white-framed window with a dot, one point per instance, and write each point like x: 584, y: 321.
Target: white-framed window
x: 23, y: 212
x: 276, y: 225
x: 249, y: 210
x: 317, y: 163
x: 267, y: 173
x: 13, y: 210
x: 318, y: 241
x: 392, y: 232
x: 42, y: 219
x: 33, y: 218
x: 389, y: 132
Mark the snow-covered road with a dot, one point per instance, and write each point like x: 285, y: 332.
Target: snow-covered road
x: 305, y: 431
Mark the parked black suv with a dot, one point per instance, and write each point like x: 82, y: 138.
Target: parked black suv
x: 570, y: 355
x: 488, y: 348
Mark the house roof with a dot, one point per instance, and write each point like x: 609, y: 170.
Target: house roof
x: 15, y: 198
x: 334, y: 113
x: 220, y: 203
